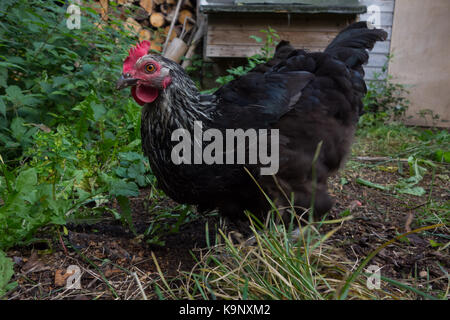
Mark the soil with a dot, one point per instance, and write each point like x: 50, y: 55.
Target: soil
x: 109, y: 254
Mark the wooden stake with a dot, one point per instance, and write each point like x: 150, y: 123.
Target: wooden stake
x: 183, y: 15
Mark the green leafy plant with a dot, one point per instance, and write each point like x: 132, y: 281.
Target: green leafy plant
x: 6, y: 272
x: 407, y: 185
x: 46, y: 69
x: 67, y: 137
x: 267, y: 51
x: 28, y: 205
x: 385, y: 100
x: 271, y: 40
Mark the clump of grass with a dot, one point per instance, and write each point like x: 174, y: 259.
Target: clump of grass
x: 276, y: 267
x: 400, y: 141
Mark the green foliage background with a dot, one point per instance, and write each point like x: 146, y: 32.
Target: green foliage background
x: 67, y: 137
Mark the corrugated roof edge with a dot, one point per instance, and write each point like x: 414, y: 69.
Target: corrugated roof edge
x: 206, y: 7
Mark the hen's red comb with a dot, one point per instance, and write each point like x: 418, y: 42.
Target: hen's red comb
x: 134, y: 54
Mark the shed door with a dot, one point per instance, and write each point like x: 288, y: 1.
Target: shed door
x: 421, y: 48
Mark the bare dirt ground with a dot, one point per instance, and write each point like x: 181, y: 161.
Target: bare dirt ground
x: 109, y: 254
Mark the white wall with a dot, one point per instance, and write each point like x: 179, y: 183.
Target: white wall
x: 421, y: 47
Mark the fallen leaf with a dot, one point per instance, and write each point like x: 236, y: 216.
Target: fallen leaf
x: 61, y: 277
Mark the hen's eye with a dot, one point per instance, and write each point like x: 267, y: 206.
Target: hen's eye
x: 150, y: 68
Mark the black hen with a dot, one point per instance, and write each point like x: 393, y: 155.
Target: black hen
x: 309, y: 97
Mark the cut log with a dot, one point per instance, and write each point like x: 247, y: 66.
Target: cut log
x: 171, y: 2
x: 132, y: 26
x: 170, y: 15
x: 144, y: 34
x: 146, y: 23
x: 164, y: 8
x: 157, y: 19
x: 183, y: 15
x: 187, y: 4
x: 155, y: 46
x: 175, y: 32
x: 147, y: 5
x: 141, y: 14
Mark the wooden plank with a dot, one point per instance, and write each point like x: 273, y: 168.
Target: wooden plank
x: 377, y: 58
x: 280, y: 22
x: 239, y: 51
x: 315, y: 7
x: 242, y: 37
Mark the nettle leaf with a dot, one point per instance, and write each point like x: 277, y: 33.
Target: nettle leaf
x: 121, y: 172
x: 257, y: 39
x: 123, y: 188
x: 18, y: 129
x: 87, y: 69
x: 26, y: 180
x: 98, y: 110
x: 15, y: 95
x: 134, y: 171
x: 130, y: 156
x: 141, y: 181
x: 119, y: 187
x: 6, y: 273
x: 16, y: 60
x: 11, y: 65
x: 59, y: 81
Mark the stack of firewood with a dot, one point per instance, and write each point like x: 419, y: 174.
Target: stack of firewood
x: 151, y: 19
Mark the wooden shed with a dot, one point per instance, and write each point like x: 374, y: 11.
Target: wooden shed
x: 308, y: 24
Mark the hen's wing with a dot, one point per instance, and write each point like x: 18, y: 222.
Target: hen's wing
x: 258, y: 100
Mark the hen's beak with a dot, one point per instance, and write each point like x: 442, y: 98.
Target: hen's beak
x: 125, y: 81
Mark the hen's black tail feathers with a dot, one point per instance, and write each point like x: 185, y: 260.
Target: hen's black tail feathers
x: 350, y: 44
